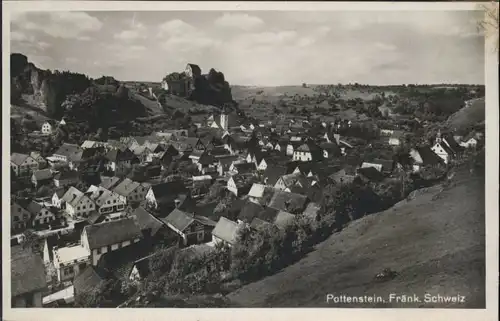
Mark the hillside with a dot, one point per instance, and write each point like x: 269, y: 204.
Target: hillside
x: 435, y: 242
x: 471, y: 114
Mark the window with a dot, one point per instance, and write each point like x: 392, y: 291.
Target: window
x: 83, y: 207
x: 78, y: 208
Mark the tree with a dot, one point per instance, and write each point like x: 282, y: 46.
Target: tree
x: 32, y: 241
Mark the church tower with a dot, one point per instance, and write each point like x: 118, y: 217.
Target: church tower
x: 438, y: 136
x: 224, y: 119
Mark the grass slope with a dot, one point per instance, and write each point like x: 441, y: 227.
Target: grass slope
x: 467, y: 116
x: 436, y: 245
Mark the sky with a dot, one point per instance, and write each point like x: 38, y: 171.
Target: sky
x: 260, y: 48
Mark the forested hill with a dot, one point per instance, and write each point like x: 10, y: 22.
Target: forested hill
x: 99, y: 102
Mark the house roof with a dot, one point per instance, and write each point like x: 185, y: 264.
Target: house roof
x: 180, y: 220
x: 43, y: 174
x: 109, y: 182
x: 27, y: 271
x: 18, y: 158
x: 66, y: 175
x: 259, y: 224
x: 87, y: 280
x: 249, y: 211
x: 146, y: 220
x: 60, y: 192
x: 115, y: 155
x: 273, y: 173
x: 104, y: 234
x: 34, y: 207
x: 286, y: 201
x: 168, y: 188
x: 119, y: 263
x: 245, y: 167
x: 206, y: 159
x: 284, y: 219
x: 71, y: 151
x: 452, y: 144
x: 291, y: 179
x: 312, y: 210
x: 428, y: 156
x: 126, y: 187
x: 244, y: 180
x: 257, y: 190
x: 371, y: 173
x: 226, y: 230
x: 72, y: 196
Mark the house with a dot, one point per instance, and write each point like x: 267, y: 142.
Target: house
x: 41, y: 177
x: 40, y: 214
x: 48, y: 127
x: 28, y: 281
x: 106, y: 237
x: 109, y: 182
x: 370, y: 174
x: 191, y: 228
x: 396, y: 138
x: 470, y: 141
x: 386, y: 132
x: 106, y: 201
x: 292, y: 146
x: 57, y: 197
x: 226, y: 232
x: 286, y: 182
x: 118, y: 159
x: 290, y: 202
x: 330, y: 150
x: 206, y: 162
x: 19, y: 217
x: 273, y: 173
x: 424, y: 156
x: 77, y: 204
x: 344, y: 176
x: 42, y: 162
x: 69, y: 261
x: 446, y: 147
x: 374, y: 165
x: 308, y: 152
x: 242, y: 168
x: 248, y: 212
x: 225, y: 163
x: 258, y: 191
x: 194, y: 143
x: 22, y: 164
x: 147, y: 222
x: 131, y: 191
x: 88, y: 280
x: 165, y: 194
x: 70, y: 154
x: 66, y: 178
x: 240, y: 184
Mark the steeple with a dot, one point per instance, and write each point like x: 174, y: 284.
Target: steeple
x: 438, y: 136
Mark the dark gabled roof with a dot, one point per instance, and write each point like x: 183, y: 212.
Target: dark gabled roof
x: 453, y: 145
x: 268, y: 214
x: 371, y: 173
x: 34, y: 208
x: 112, y: 232
x: 286, y: 201
x: 273, y: 173
x: 206, y: 159
x: 43, y: 174
x: 119, y: 263
x: 249, y: 211
x: 115, y: 155
x: 245, y: 167
x: 244, y: 180
x: 168, y: 188
x: 27, y: 271
x: 71, y: 151
x: 66, y: 175
x: 428, y: 156
x: 87, y: 280
x: 92, y: 152
x: 258, y: 224
x: 331, y: 148
x: 60, y: 192
x: 146, y: 220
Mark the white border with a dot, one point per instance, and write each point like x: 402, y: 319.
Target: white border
x: 492, y: 120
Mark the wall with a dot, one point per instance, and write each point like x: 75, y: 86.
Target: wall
x: 104, y: 249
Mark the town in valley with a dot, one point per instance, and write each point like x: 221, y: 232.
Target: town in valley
x: 193, y: 191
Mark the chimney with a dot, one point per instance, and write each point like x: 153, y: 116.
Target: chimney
x: 177, y: 203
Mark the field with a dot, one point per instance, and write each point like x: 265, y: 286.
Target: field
x: 436, y: 246
x: 467, y: 116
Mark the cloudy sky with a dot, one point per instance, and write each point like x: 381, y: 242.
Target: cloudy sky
x: 259, y: 47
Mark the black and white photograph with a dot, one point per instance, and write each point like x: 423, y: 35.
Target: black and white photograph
x: 239, y: 158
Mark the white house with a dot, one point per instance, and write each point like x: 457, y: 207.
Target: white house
x: 470, y: 143
x: 57, y: 200
x: 47, y: 128
x: 231, y: 186
x: 106, y: 201
x: 132, y: 191
x: 22, y: 164
x: 70, y: 261
x: 40, y: 214
x: 106, y: 237
x: 78, y: 205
